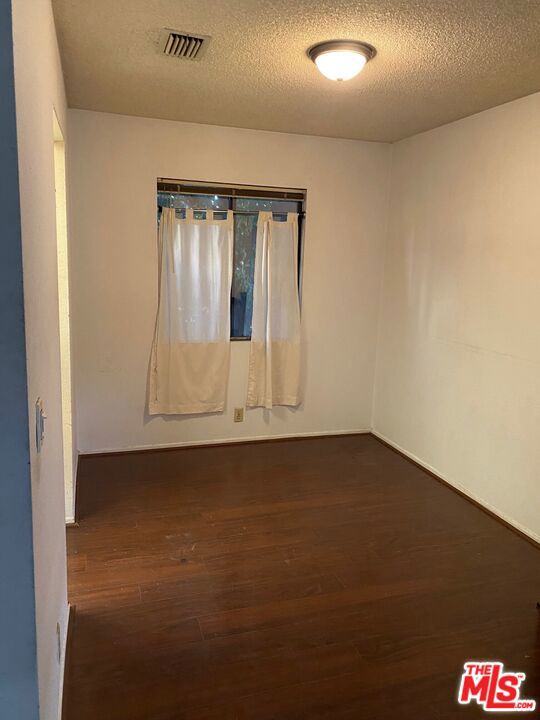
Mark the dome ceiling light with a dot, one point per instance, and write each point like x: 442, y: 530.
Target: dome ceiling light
x: 341, y: 59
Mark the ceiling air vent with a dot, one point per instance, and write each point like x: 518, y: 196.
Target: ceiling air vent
x: 184, y: 45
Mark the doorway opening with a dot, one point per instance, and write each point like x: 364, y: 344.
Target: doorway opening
x: 64, y: 316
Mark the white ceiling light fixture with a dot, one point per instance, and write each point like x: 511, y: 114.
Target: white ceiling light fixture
x: 341, y: 59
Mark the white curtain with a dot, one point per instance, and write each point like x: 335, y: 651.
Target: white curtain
x: 274, y: 361
x: 189, y: 366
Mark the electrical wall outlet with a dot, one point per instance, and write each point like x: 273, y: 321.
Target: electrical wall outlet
x: 238, y: 414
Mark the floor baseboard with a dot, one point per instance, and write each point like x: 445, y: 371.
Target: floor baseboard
x: 456, y: 487
x: 222, y: 441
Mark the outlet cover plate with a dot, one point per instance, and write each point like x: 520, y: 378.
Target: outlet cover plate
x: 238, y: 414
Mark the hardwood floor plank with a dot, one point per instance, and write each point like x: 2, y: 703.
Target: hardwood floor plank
x: 287, y: 611
x: 319, y: 579
x: 214, y: 594
x: 90, y: 598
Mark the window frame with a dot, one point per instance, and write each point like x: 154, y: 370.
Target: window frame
x: 233, y: 193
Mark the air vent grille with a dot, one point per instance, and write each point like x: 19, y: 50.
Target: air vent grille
x: 184, y: 46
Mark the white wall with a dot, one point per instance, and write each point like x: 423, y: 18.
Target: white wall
x: 39, y: 87
x: 458, y: 371
x: 19, y: 696
x: 115, y: 161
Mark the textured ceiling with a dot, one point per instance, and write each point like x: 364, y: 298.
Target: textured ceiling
x: 437, y: 60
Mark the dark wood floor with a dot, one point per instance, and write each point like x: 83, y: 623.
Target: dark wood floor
x: 322, y: 578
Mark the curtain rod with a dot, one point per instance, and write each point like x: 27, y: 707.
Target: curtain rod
x: 252, y: 193
x: 229, y: 186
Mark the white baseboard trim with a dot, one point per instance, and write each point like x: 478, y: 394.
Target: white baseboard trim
x: 480, y: 501
x: 225, y: 441
x: 67, y: 618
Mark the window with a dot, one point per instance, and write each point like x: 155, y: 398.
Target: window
x: 245, y: 202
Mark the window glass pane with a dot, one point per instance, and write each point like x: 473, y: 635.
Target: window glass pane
x: 193, y: 201
x: 273, y: 205
x: 245, y: 233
